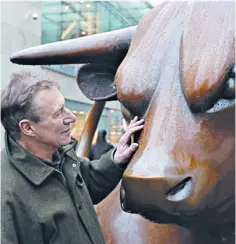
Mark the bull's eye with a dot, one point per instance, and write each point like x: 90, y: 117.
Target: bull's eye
x: 228, y: 96
x: 229, y: 92
x: 220, y: 105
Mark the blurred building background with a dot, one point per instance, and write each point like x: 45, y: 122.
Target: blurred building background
x: 29, y: 23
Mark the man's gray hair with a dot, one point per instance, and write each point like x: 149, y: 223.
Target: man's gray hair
x: 17, y: 100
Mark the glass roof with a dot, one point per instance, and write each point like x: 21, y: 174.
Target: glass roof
x: 62, y: 20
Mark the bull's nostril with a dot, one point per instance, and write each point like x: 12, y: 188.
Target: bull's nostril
x: 180, y: 191
x: 122, y: 200
x: 122, y: 194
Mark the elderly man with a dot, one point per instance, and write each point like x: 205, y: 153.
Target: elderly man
x: 47, y: 191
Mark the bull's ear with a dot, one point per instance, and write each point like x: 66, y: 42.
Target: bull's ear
x: 96, y: 81
x: 110, y: 47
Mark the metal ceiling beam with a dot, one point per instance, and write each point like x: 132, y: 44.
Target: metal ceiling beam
x: 149, y: 5
x: 64, y: 13
x: 70, y: 20
x: 72, y: 8
x: 125, y: 12
x: 115, y: 12
x: 45, y: 17
x: 53, y: 30
x: 64, y: 21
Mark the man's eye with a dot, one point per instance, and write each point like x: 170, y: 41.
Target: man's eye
x: 59, y: 112
x: 62, y: 110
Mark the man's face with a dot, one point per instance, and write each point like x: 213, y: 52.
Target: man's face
x: 54, y: 127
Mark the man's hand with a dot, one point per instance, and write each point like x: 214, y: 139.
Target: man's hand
x: 124, y: 151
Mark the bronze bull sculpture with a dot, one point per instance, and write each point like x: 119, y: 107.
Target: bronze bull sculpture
x: 177, y: 71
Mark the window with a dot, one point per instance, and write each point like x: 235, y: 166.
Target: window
x: 63, y: 20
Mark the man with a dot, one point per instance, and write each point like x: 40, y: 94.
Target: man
x: 47, y: 191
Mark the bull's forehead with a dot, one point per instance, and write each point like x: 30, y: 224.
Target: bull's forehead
x: 194, y: 39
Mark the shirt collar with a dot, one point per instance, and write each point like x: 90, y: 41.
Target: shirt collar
x: 25, y: 162
x: 56, y: 160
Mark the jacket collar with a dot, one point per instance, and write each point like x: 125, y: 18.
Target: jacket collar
x: 27, y: 164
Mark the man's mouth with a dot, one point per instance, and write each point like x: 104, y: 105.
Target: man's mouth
x: 66, y: 131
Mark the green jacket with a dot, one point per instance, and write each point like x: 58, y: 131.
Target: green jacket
x: 41, y: 205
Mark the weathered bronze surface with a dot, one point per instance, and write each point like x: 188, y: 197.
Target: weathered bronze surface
x: 110, y: 47
x: 179, y: 75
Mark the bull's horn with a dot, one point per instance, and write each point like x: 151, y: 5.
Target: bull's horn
x: 108, y: 47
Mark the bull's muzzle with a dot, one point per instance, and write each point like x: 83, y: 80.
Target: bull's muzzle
x: 152, y: 194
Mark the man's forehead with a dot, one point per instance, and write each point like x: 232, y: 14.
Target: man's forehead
x: 49, y: 99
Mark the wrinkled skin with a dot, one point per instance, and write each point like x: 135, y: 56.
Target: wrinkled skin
x: 176, y: 70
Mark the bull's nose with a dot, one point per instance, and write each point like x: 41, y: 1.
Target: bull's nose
x: 165, y: 193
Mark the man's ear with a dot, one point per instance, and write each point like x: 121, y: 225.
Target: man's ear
x: 27, y: 127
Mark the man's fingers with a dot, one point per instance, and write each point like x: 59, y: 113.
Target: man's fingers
x: 124, y: 149
x: 138, y: 122
x: 133, y: 120
x: 124, y: 125
x: 135, y: 123
x: 136, y: 128
x: 133, y: 147
x: 125, y: 155
x: 127, y: 136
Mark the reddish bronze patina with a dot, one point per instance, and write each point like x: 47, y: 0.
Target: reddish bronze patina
x: 179, y: 75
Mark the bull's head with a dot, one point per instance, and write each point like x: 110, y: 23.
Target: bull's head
x: 179, y: 76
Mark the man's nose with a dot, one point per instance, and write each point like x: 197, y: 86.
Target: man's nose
x: 70, y: 117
